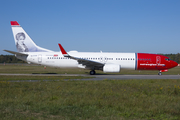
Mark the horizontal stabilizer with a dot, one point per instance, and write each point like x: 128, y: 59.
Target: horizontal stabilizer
x: 15, y: 53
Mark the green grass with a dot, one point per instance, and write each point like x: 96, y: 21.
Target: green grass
x: 70, y: 99
x: 32, y: 69
x: 35, y: 69
x: 106, y: 99
x: 40, y: 78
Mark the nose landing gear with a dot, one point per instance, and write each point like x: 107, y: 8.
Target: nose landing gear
x: 160, y: 73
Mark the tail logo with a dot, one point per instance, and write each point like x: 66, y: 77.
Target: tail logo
x: 20, y: 45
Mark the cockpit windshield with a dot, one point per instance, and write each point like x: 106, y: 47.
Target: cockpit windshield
x: 167, y: 59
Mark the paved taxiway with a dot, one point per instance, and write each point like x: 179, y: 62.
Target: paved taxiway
x: 125, y: 77
x: 107, y: 77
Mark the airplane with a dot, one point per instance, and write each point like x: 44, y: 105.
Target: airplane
x: 28, y: 51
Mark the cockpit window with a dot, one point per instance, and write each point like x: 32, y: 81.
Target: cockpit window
x: 167, y: 59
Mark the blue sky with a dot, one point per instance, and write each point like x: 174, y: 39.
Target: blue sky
x: 147, y: 26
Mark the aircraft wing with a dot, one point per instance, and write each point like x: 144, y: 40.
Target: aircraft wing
x: 88, y: 63
x: 15, y: 53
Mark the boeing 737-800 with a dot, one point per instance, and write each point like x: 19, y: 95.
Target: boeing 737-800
x: 28, y: 51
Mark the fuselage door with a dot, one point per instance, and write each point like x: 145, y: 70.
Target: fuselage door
x: 39, y: 58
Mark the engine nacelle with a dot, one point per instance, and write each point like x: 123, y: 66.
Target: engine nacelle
x: 111, y: 68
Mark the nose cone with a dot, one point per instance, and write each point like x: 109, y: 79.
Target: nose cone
x: 174, y: 64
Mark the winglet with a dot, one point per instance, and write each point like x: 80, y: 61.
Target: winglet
x: 63, y: 51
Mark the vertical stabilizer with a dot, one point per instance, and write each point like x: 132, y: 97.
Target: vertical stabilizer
x: 22, y: 40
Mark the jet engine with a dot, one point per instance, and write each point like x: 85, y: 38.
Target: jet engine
x: 111, y: 68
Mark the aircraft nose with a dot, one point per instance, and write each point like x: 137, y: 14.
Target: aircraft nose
x: 174, y: 64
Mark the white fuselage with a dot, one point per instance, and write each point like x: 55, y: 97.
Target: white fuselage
x: 56, y: 59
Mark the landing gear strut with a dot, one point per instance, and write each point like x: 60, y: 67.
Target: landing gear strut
x: 92, y: 72
x: 160, y: 73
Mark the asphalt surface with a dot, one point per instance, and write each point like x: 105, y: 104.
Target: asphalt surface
x: 107, y: 77
x: 125, y: 77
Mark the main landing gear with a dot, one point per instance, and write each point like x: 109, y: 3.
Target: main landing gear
x: 92, y: 72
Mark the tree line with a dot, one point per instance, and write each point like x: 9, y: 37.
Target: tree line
x: 13, y: 59
x: 10, y: 59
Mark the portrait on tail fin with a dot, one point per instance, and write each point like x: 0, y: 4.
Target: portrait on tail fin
x: 20, y: 45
